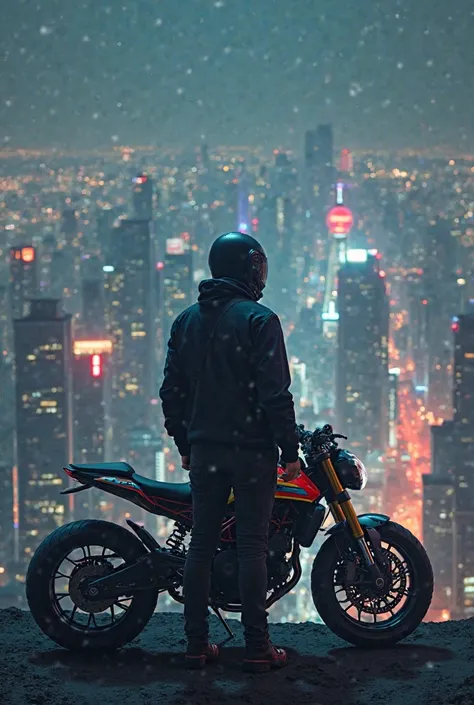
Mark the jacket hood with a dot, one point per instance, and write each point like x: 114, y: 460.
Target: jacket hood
x: 225, y: 288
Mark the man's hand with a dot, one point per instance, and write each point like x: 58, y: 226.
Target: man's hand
x: 185, y: 462
x: 292, y: 470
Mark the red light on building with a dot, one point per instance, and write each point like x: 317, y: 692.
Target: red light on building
x: 28, y: 254
x: 382, y: 274
x: 339, y: 221
x: 424, y: 302
x: 96, y: 366
x: 346, y: 160
x: 455, y: 327
x: 160, y: 265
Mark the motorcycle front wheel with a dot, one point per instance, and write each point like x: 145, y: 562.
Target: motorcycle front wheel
x: 70, y: 555
x: 352, y: 609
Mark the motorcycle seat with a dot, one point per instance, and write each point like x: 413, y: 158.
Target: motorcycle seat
x: 174, y: 491
x: 116, y: 469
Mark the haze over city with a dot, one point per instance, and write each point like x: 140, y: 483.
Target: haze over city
x: 385, y: 74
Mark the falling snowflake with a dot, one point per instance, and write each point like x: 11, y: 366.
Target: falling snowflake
x: 45, y: 30
x: 430, y: 62
x: 386, y: 103
x: 86, y: 38
x: 115, y: 138
x: 219, y: 4
x: 296, y: 109
x: 179, y: 91
x: 95, y: 116
x: 9, y: 103
x: 400, y: 65
x: 158, y: 22
x: 227, y: 50
x: 189, y: 71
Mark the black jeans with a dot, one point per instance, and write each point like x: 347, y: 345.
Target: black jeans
x: 252, y: 474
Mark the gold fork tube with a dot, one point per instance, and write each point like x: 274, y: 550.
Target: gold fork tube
x: 345, y: 506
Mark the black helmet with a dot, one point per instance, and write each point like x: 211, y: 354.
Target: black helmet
x: 239, y: 256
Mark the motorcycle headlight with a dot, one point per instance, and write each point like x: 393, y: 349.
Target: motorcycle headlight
x: 351, y: 471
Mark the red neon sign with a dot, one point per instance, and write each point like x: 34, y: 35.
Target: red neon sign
x: 339, y: 220
x: 96, y: 366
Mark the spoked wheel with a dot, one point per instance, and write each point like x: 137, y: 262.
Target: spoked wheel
x: 63, y: 564
x: 351, y: 607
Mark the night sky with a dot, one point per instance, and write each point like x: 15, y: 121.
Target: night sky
x: 387, y: 74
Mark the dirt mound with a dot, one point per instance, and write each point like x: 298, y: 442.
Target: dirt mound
x: 434, y: 666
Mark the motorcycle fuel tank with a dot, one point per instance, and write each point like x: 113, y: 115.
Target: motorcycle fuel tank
x: 300, y: 490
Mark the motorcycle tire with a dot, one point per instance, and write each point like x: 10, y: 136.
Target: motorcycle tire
x: 366, y: 634
x: 41, y: 575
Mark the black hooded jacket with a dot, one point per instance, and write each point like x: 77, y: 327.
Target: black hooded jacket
x: 232, y: 388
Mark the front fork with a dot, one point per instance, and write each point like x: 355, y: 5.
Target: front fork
x: 341, y: 508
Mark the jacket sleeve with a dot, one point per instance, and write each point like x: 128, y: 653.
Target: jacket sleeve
x: 273, y: 382
x: 173, y: 395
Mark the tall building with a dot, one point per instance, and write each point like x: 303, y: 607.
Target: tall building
x: 129, y: 304
x: 6, y: 523
x: 93, y: 306
x: 143, y: 197
x: 43, y: 356
x: 442, y: 303
x: 69, y: 224
x: 178, y: 288
x: 93, y: 303
x: 463, y: 403
x: 23, y: 278
x: 91, y: 412
x: 319, y: 148
x: 362, y: 355
x: 438, y: 537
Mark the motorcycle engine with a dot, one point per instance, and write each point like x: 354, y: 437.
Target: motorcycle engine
x: 226, y: 568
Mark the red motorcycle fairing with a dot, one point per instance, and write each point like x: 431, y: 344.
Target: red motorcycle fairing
x: 174, y: 499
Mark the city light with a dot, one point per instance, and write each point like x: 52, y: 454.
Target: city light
x: 96, y: 365
x: 356, y: 256
x: 175, y: 246
x: 339, y: 221
x: 108, y: 268
x: 92, y: 347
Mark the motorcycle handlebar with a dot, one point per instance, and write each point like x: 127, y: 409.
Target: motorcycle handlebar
x: 319, y: 435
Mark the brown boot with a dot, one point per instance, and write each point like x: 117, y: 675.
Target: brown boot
x: 271, y: 657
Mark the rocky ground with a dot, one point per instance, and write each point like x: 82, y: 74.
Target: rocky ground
x: 433, y: 667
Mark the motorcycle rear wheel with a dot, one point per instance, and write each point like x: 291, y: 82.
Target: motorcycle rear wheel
x: 106, y: 625
x: 411, y: 589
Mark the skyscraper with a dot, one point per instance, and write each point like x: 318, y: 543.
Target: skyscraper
x: 23, y: 278
x: 463, y: 450
x: 438, y: 536
x: 130, y: 323
x: 319, y: 148
x: 177, y: 287
x: 91, y: 411
x: 318, y: 161
x: 362, y: 355
x: 143, y: 197
x: 43, y: 355
x: 6, y: 522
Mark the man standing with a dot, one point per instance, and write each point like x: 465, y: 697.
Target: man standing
x: 227, y: 404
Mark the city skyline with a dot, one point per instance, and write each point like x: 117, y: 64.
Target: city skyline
x: 377, y: 252
x: 94, y: 75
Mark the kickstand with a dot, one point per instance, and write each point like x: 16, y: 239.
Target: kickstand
x: 217, y: 612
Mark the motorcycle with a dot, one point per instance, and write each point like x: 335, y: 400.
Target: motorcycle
x: 371, y: 580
